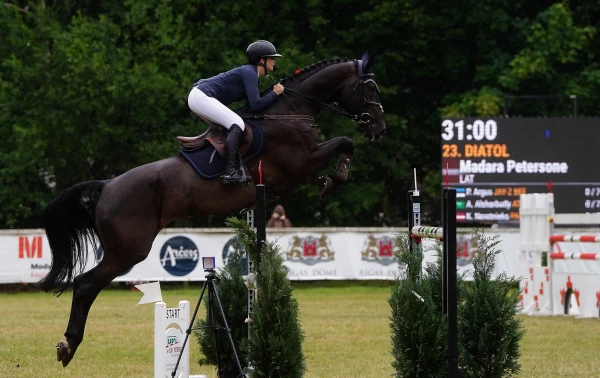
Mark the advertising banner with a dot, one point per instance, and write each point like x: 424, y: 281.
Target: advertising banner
x: 310, y: 254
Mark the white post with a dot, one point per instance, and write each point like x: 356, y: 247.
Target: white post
x: 543, y: 287
x: 536, y: 213
x: 159, y: 339
x: 170, y: 325
x: 184, y: 322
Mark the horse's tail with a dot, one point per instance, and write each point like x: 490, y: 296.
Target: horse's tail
x: 69, y: 224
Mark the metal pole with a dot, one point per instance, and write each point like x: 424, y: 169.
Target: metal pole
x: 256, y: 218
x: 450, y: 284
x: 260, y: 222
x: 445, y: 262
x: 249, y: 270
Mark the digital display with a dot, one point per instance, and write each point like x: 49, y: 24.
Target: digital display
x: 492, y: 161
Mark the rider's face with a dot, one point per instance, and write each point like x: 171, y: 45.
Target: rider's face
x: 270, y: 63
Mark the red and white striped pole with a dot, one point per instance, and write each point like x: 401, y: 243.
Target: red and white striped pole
x: 575, y: 238
x: 574, y: 256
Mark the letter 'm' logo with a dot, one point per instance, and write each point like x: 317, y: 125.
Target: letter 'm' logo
x: 30, y: 250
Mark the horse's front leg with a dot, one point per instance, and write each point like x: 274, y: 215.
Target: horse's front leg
x: 320, y: 158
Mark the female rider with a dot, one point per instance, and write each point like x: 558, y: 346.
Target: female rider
x: 209, y: 98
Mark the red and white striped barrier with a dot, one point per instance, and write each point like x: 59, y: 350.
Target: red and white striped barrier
x: 569, y: 282
x: 574, y: 256
x: 575, y: 238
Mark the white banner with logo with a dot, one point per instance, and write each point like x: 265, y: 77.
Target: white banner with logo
x: 311, y: 254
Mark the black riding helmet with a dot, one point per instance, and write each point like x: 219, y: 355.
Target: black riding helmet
x: 260, y: 49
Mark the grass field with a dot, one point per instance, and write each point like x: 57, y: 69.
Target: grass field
x: 347, y: 335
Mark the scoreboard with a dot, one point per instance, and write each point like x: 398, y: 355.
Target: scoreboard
x: 492, y: 161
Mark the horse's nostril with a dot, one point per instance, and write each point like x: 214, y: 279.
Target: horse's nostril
x: 383, y: 132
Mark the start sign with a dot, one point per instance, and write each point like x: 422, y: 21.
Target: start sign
x: 170, y: 325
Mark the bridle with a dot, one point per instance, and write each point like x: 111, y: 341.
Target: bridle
x: 362, y: 79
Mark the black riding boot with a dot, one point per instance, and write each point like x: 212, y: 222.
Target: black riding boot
x: 232, y: 146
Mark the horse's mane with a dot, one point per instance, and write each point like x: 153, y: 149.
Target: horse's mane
x: 295, y: 78
x: 304, y: 73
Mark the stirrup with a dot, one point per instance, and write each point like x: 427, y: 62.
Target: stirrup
x: 242, y: 179
x: 236, y: 178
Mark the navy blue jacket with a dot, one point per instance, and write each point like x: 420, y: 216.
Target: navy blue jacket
x: 236, y: 85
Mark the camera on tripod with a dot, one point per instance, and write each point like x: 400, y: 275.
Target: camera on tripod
x: 214, y: 305
x: 209, y: 264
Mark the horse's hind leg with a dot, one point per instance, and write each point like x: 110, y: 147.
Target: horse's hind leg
x: 88, y: 285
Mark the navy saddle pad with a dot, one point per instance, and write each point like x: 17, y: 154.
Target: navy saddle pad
x: 209, y: 164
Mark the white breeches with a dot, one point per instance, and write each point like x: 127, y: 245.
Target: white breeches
x: 211, y: 110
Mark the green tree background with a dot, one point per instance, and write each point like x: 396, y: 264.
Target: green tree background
x: 90, y: 89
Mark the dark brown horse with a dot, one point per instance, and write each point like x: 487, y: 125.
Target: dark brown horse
x: 127, y: 212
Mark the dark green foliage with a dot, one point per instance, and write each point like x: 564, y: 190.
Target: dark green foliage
x: 275, y: 345
x: 234, y: 298
x: 89, y: 89
x: 490, y: 330
x: 417, y: 325
x: 274, y: 348
x: 244, y: 234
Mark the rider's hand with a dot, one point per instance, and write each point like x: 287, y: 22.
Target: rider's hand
x: 278, y: 88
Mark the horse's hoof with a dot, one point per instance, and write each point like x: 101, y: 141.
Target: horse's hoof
x: 63, y: 352
x: 343, y: 166
x: 324, y: 186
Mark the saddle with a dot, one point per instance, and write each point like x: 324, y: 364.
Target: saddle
x: 216, y: 135
x: 206, y: 152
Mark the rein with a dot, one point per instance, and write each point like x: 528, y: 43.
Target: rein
x: 301, y: 116
x: 290, y: 117
x: 315, y: 101
x: 362, y: 119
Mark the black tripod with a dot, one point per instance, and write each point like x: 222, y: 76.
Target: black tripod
x: 211, y: 276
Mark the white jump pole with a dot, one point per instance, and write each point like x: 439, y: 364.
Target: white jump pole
x: 428, y: 232
x: 574, y: 256
x: 575, y: 238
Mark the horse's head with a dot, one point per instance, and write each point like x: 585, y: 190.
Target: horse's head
x: 361, y: 99
x: 349, y: 83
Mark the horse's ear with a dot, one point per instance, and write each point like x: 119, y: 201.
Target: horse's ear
x: 365, y: 57
x: 367, y: 61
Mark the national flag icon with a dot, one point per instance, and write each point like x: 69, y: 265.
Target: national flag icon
x: 461, y: 216
x: 460, y: 192
x: 460, y: 204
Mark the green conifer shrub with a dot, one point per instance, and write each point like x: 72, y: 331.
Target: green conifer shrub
x: 274, y: 348
x: 418, y: 329
x: 489, y: 329
x: 234, y: 299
